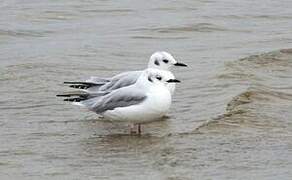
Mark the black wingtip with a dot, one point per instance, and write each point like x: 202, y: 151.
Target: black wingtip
x: 82, y: 85
x: 79, y: 86
x: 74, y: 99
x: 72, y: 82
x: 63, y: 95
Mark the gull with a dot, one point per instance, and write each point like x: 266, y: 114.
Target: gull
x: 148, y: 99
x: 159, y: 60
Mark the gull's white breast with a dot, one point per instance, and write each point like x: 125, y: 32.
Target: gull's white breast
x: 170, y: 86
x: 153, y: 107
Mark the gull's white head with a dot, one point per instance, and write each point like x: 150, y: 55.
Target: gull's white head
x: 156, y: 77
x: 163, y: 60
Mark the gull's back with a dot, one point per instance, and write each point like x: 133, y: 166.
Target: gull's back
x: 121, y: 80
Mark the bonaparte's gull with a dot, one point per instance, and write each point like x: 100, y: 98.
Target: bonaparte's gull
x: 159, y: 60
x: 148, y: 99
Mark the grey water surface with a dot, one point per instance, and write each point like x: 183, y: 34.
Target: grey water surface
x: 230, y: 117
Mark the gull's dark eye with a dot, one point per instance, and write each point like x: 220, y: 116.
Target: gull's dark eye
x: 165, y: 61
x: 159, y: 78
x: 156, y: 62
x: 149, y: 79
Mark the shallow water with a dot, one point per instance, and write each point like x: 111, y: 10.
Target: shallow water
x: 230, y: 118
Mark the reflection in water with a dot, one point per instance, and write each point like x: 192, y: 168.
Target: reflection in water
x: 121, y: 143
x: 101, y: 127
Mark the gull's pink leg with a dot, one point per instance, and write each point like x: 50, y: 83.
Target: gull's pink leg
x: 139, y: 129
x: 132, y: 130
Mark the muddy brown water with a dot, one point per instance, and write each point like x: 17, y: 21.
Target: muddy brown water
x: 230, y: 117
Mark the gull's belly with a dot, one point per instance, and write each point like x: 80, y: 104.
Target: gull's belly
x: 155, y: 106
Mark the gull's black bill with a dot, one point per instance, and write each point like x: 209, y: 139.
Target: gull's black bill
x: 180, y: 64
x: 173, y: 81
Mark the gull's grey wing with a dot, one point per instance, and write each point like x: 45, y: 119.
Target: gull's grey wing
x: 95, y: 79
x: 119, y: 98
x: 121, y: 80
x: 94, y: 83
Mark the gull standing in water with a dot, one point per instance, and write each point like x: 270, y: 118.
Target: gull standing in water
x: 159, y: 60
x: 146, y: 100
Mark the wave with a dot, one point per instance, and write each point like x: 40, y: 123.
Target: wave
x: 266, y: 99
